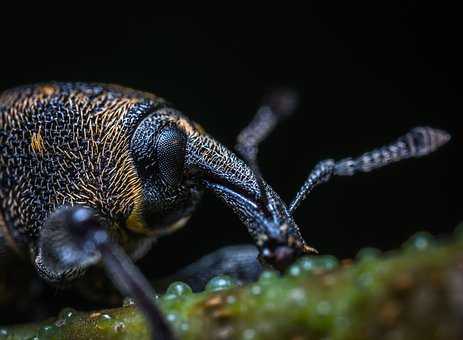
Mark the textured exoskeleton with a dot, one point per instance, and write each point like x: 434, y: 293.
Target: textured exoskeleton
x: 90, y: 172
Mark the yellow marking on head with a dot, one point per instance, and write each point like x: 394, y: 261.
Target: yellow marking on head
x: 135, y: 223
x: 175, y: 226
x: 186, y: 126
x: 199, y: 128
x: 308, y: 249
x: 37, y: 142
x: 47, y: 90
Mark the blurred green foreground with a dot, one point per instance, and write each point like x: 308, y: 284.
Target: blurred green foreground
x: 412, y: 293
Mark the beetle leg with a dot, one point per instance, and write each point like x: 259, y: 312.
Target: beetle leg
x: 74, y: 238
x: 418, y: 142
x: 239, y: 261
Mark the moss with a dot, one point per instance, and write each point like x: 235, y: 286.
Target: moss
x: 412, y: 293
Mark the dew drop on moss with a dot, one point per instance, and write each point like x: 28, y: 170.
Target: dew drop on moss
x: 420, y: 241
x: 249, y: 334
x: 307, y: 263
x: 220, y: 282
x: 168, y: 297
x: 323, y: 308
x: 231, y: 299
x: 298, y: 296
x: 368, y: 254
x: 179, y: 289
x: 128, y: 301
x: 47, y: 330
x: 316, y: 263
x: 268, y: 276
x: 365, y: 280
x: 184, y: 326
x: 119, y: 327
x: 328, y: 262
x: 67, y: 314
x: 105, y: 317
x: 295, y: 270
x: 256, y: 289
x: 171, y: 317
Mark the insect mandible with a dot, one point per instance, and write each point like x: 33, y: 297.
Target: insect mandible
x: 93, y: 173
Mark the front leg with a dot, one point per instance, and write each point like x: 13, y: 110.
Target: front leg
x: 74, y: 238
x: 240, y: 262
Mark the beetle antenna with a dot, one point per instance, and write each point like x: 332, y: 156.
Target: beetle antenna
x: 418, y: 142
x: 276, y: 106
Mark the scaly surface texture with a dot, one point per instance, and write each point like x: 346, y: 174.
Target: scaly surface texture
x: 412, y: 293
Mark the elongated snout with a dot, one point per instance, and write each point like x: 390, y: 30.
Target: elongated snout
x: 257, y: 205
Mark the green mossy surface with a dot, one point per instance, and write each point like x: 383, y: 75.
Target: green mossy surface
x: 412, y: 293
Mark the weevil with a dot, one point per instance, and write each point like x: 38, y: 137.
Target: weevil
x: 94, y: 173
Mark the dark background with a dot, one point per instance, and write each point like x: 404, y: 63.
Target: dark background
x: 366, y: 75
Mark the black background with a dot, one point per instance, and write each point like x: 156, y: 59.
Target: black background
x: 366, y: 76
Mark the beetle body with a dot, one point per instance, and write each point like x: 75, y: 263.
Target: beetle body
x: 126, y: 154
x: 56, y: 151
x: 90, y: 170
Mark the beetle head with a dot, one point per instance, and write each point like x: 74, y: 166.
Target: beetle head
x: 159, y: 149
x: 177, y: 160
x: 257, y: 205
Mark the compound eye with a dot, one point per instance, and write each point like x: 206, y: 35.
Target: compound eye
x: 170, y: 152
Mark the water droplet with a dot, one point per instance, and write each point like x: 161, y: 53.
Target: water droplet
x: 231, y: 299
x: 295, y: 270
x: 368, y: 254
x: 298, y: 295
x: 119, y: 327
x: 47, y: 330
x: 317, y: 263
x: 105, y: 317
x: 268, y: 276
x: 323, y: 308
x: 3, y: 332
x: 420, y: 241
x: 67, y: 314
x: 184, y: 326
x: 171, y: 317
x: 128, y: 301
x: 256, y: 289
x: 307, y: 263
x: 365, y: 280
x: 249, y: 334
x: 328, y: 262
x: 220, y: 282
x: 60, y: 322
x: 179, y: 289
x: 169, y: 297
